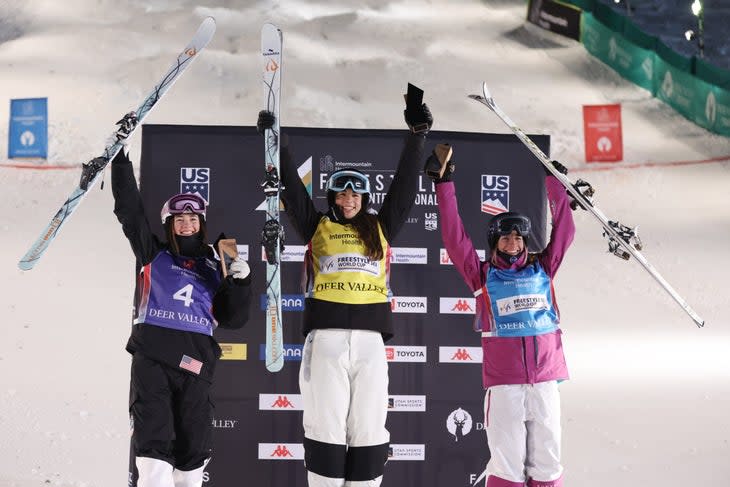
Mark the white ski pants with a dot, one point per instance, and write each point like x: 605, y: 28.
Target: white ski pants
x: 344, y: 384
x: 523, y: 432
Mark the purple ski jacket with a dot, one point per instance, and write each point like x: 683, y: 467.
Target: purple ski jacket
x: 511, y: 360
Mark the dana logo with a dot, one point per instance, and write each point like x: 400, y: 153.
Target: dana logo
x: 405, y: 354
x: 280, y: 402
x: 460, y: 355
x: 409, y: 255
x: 289, y: 302
x: 457, y: 306
x: 409, y: 304
x: 495, y: 194
x: 459, y: 423
x: 291, y: 352
x: 281, y: 451
x: 195, y: 180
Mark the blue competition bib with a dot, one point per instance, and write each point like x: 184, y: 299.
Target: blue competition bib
x: 521, y: 301
x: 177, y: 292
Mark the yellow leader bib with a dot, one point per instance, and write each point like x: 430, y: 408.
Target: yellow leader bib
x: 342, y: 272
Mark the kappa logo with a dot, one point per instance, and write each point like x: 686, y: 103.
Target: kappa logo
x: 462, y: 354
x: 462, y: 306
x: 282, y: 402
x: 281, y: 451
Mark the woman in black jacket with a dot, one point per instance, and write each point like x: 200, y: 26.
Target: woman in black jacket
x: 180, y: 298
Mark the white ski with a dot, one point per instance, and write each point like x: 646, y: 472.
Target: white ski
x: 272, y: 234
x: 127, y: 126
x: 618, y: 234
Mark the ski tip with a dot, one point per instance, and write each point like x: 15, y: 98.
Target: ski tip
x: 25, y: 265
x: 485, y: 90
x: 275, y: 366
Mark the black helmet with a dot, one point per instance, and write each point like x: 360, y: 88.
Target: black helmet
x: 506, y: 223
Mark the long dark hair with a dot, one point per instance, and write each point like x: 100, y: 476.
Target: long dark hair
x: 366, y: 226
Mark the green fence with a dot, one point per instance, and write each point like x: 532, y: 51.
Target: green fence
x: 693, y: 87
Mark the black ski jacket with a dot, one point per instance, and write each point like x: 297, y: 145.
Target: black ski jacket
x: 231, y: 300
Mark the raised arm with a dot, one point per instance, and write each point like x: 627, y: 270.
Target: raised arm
x: 563, y: 227
x: 129, y: 210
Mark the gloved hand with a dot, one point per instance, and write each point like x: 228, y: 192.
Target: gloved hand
x: 239, y: 269
x: 559, y: 167
x: 419, y: 119
x: 265, y: 121
x: 433, y: 166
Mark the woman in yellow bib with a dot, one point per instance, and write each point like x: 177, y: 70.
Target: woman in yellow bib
x: 344, y: 373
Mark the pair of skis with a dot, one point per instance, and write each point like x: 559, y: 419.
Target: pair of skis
x: 271, y: 43
x: 623, y: 241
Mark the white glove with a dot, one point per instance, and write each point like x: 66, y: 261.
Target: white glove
x: 239, y: 269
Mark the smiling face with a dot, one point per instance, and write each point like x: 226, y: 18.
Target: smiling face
x: 349, y: 202
x: 186, y: 224
x: 511, y: 244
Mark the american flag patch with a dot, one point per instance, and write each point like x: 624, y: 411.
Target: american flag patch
x: 189, y: 363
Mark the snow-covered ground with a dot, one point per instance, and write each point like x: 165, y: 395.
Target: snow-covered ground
x: 647, y: 403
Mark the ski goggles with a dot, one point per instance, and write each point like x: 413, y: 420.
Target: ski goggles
x: 184, y: 203
x: 517, y: 223
x: 355, y: 180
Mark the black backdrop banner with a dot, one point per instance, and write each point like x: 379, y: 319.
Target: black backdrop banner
x: 436, y: 399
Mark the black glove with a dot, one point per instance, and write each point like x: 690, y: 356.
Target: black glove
x: 559, y: 167
x: 433, y: 166
x: 265, y: 121
x: 419, y: 119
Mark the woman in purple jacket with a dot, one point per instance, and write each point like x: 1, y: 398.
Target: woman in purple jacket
x: 521, y: 341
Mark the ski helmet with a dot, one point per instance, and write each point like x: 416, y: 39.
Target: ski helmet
x: 184, y: 203
x: 348, y: 178
x: 506, y: 223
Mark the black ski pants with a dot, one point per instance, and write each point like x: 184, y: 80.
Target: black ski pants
x: 171, y: 414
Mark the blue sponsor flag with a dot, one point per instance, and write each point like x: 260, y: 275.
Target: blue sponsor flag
x: 28, y: 134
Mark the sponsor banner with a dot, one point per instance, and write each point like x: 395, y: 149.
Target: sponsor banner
x: 461, y: 306
x: 28, y: 131
x: 292, y: 352
x: 242, y: 251
x: 226, y: 424
x: 281, y: 451
x: 280, y: 402
x: 406, y: 403
x: 291, y: 253
x: 289, y: 302
x: 555, y: 16
x: 409, y: 255
x: 405, y: 354
x: 460, y: 355
x: 602, y: 133
x: 431, y: 221
x: 413, y: 452
x: 234, y: 351
x: 444, y: 258
x: 409, y: 304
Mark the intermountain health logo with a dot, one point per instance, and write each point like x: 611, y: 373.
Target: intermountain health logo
x: 444, y: 258
x: 281, y: 451
x: 291, y: 253
x: 280, y: 402
x: 459, y: 423
x: 409, y: 255
x: 405, y: 354
x: 464, y: 306
x: 460, y: 355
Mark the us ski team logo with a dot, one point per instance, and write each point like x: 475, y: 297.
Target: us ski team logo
x: 495, y: 194
x: 195, y: 180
